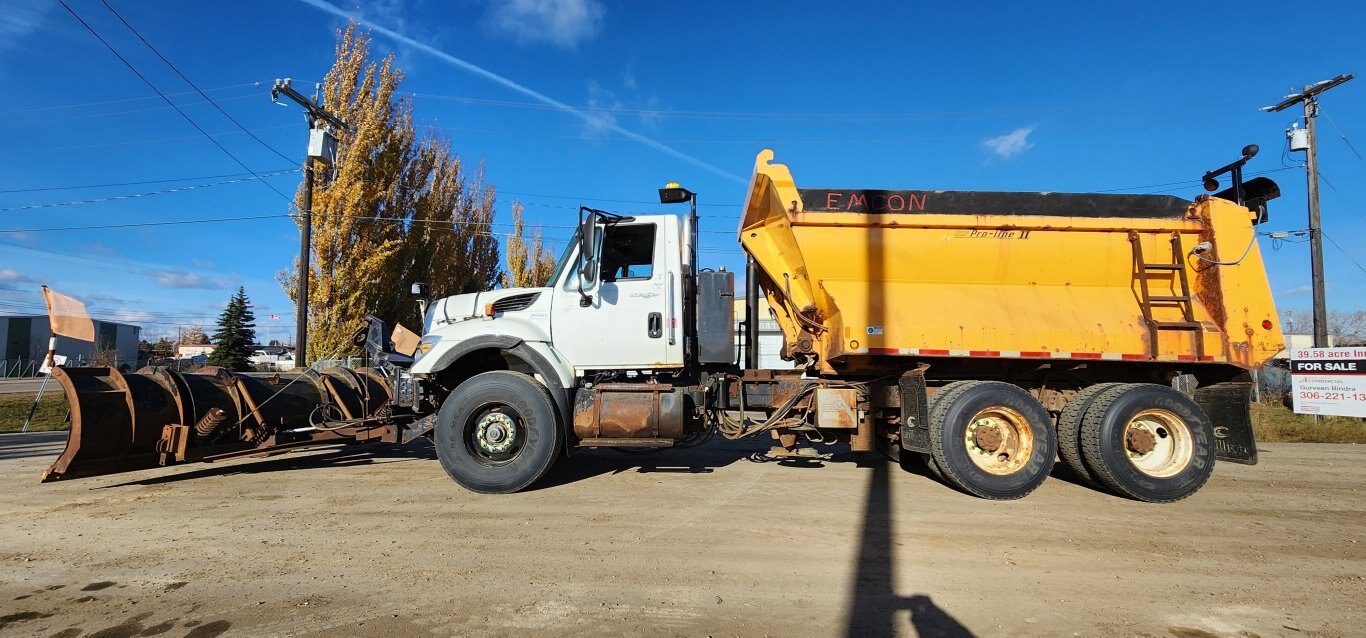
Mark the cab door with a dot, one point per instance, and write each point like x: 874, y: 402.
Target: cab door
x: 621, y: 320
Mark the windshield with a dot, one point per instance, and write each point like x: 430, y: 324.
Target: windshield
x: 564, y: 259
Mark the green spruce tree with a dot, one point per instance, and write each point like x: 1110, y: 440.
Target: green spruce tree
x: 236, y: 334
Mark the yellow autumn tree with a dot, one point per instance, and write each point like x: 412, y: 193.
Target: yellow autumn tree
x: 529, y: 264
x: 396, y: 208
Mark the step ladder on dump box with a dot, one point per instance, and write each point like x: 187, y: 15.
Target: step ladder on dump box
x: 1183, y: 300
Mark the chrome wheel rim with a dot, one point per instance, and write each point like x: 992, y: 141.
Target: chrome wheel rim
x: 999, y: 440
x: 1158, y: 443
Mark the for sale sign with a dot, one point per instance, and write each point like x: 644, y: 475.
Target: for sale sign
x: 1329, y: 381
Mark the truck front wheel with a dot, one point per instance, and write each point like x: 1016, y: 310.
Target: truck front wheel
x: 991, y: 439
x: 497, y: 433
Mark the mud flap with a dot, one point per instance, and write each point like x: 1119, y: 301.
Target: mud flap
x: 915, y: 433
x: 1229, y: 408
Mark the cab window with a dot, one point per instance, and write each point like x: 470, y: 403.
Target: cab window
x: 628, y: 252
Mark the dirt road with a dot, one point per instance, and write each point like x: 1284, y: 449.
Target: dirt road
x: 694, y: 543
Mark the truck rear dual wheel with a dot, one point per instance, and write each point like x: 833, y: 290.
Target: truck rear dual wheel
x: 1148, y: 442
x: 496, y: 433
x: 990, y: 439
x: 1069, y: 429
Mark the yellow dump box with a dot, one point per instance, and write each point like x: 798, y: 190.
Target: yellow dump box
x: 859, y: 275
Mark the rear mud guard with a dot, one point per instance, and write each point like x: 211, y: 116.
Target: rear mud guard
x: 1229, y: 408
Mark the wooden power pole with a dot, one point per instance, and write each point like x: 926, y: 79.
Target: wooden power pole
x: 1309, y: 98
x: 322, y: 146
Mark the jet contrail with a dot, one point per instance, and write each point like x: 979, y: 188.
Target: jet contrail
x: 536, y: 95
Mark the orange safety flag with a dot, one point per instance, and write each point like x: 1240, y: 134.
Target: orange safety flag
x: 68, y: 317
x: 405, y: 340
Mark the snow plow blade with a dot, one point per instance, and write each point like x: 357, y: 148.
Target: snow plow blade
x: 121, y: 422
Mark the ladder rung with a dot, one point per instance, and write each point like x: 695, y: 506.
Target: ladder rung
x: 1163, y: 266
x: 1178, y: 325
x: 1169, y: 299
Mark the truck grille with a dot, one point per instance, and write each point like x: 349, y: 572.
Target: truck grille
x: 515, y: 302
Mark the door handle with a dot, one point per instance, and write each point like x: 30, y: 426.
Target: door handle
x: 654, y: 325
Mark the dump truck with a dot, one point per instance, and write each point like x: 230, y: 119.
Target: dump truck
x: 985, y: 334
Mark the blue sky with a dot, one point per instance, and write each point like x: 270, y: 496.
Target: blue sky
x: 1129, y: 97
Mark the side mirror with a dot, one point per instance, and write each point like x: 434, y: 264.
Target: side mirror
x: 588, y: 263
x: 588, y: 229
x: 419, y: 292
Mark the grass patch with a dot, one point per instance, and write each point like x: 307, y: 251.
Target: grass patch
x: 51, y: 413
x: 1276, y: 423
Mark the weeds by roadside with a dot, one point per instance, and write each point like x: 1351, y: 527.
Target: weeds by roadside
x: 1276, y: 423
x: 51, y: 413
x: 1271, y: 423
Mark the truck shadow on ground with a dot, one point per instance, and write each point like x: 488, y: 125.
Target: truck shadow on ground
x: 348, y: 456
x: 874, y: 606
x: 26, y: 445
x: 703, y: 459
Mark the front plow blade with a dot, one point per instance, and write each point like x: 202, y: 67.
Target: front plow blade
x: 122, y: 422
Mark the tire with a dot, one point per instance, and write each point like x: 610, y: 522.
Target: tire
x: 521, y: 437
x: 1179, y: 456
x: 1023, y: 454
x: 933, y: 467
x: 1069, y: 430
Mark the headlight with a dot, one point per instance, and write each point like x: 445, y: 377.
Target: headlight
x: 423, y: 347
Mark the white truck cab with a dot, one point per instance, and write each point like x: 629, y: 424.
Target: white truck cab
x: 626, y: 313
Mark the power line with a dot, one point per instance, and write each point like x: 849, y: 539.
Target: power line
x: 156, y: 313
x: 99, y: 114
x: 1344, y: 252
x: 807, y: 116
x: 116, y: 184
x: 49, y: 149
x: 168, y: 100
x: 179, y: 222
x: 56, y: 107
x: 1340, y: 133
x: 178, y: 189
x: 192, y: 84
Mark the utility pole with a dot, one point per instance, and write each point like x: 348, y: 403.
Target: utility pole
x: 322, y: 146
x: 1309, y: 98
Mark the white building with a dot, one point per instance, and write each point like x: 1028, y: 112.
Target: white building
x: 770, y: 337
x: 24, y: 338
x: 188, y: 350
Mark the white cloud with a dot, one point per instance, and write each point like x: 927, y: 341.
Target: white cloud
x: 184, y: 279
x: 602, y: 104
x: 1299, y: 290
x: 203, y: 263
x: 125, y: 315
x: 20, y: 19
x: 12, y: 276
x: 563, y: 23
x: 1010, y: 145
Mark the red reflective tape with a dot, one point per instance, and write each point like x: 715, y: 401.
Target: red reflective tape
x: 934, y: 353
x: 1035, y: 354
x: 1207, y: 358
x: 984, y: 353
x: 883, y: 351
x: 1185, y: 357
x: 1085, y: 355
x: 1133, y: 357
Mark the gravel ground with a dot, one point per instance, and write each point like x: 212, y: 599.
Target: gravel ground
x: 378, y: 542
